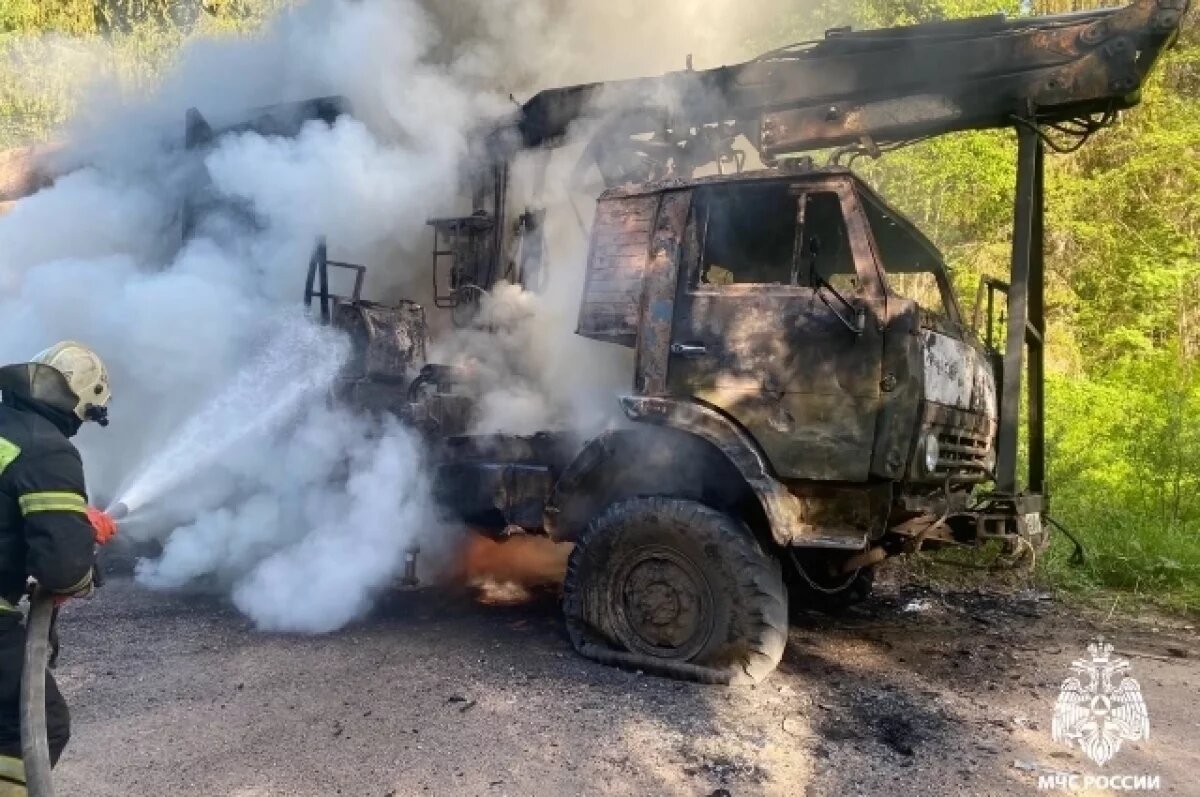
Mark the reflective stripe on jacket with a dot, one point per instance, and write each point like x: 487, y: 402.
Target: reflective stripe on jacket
x: 44, y: 530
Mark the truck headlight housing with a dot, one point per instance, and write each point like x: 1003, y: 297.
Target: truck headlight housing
x: 931, y: 451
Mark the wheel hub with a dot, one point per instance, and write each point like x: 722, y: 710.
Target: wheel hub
x: 664, y: 604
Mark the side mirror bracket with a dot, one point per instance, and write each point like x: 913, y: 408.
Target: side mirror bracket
x: 854, y: 319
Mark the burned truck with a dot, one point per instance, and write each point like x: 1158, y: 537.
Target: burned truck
x: 807, y: 396
x: 807, y: 400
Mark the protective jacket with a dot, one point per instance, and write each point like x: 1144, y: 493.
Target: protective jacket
x: 44, y: 530
x: 44, y: 533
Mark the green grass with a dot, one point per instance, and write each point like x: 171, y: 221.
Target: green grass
x: 1150, y: 563
x: 1128, y: 562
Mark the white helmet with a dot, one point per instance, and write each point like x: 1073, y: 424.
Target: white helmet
x: 86, y: 376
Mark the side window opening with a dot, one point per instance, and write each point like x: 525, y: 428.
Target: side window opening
x: 747, y: 235
x: 827, y: 251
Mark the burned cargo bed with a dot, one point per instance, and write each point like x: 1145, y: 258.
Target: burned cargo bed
x: 495, y: 482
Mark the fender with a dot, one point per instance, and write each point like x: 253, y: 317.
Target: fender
x: 784, y: 511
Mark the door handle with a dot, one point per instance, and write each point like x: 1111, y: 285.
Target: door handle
x: 689, y: 349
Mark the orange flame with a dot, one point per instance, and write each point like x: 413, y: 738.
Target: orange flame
x: 504, y: 572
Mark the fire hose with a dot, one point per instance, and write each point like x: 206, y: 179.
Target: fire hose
x: 35, y: 746
x: 39, y: 624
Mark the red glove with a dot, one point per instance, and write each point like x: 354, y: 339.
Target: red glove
x: 104, y: 526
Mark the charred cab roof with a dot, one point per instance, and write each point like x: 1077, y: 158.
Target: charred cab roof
x: 784, y: 175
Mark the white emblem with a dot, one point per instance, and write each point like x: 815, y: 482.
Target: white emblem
x: 1098, y: 714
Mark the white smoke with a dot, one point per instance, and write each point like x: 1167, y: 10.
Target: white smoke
x: 219, y: 434
x: 298, y: 553
x: 297, y: 365
x: 304, y: 518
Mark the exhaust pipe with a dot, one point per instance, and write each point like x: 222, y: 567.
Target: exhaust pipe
x: 410, y: 568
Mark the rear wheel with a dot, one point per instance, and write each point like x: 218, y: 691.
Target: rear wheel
x: 676, y: 588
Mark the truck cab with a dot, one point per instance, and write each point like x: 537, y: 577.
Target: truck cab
x: 807, y: 310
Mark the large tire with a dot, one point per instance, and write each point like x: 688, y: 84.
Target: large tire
x: 676, y: 588
x: 815, y: 582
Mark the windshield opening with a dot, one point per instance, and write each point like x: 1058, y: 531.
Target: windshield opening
x: 913, y: 267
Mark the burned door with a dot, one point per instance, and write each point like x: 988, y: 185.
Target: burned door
x: 777, y: 321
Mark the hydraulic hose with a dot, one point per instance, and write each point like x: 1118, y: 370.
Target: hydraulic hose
x: 35, y: 747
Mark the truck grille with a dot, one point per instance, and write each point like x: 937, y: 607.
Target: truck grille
x: 961, y: 454
x: 964, y: 445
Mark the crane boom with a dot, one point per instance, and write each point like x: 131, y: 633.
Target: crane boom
x: 886, y: 86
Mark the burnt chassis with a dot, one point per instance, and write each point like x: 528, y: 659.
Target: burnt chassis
x: 554, y: 483
x: 690, y: 544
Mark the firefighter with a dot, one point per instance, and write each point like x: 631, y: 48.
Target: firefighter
x: 47, y: 531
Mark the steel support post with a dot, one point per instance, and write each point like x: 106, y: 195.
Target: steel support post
x: 1025, y: 305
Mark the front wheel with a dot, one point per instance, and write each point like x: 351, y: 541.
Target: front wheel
x: 676, y: 588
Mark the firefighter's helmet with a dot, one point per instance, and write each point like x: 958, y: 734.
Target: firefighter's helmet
x: 86, y: 376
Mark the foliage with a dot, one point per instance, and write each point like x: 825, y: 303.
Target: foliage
x: 34, y: 16
x: 51, y: 52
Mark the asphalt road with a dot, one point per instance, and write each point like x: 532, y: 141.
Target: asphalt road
x: 917, y: 693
